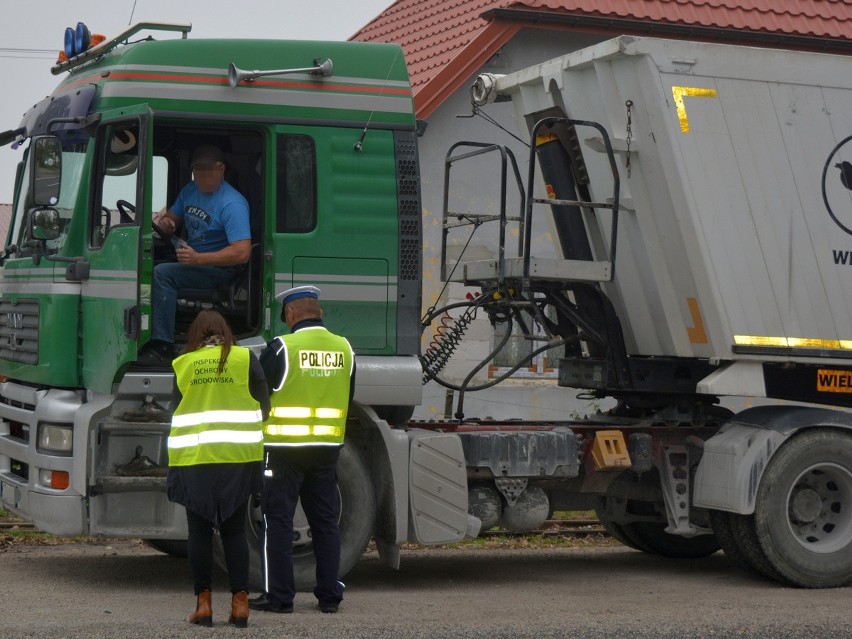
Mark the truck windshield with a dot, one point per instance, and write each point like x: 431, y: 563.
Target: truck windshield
x: 73, y: 163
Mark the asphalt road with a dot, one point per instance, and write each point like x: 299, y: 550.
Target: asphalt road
x: 124, y: 589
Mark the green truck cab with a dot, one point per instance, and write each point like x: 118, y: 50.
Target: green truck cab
x: 322, y: 143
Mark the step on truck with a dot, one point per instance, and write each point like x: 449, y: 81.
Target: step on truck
x: 716, y: 172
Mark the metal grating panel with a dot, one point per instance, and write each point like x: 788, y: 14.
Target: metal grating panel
x: 19, y: 331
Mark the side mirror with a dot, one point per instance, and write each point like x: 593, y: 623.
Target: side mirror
x: 44, y: 224
x: 45, y: 170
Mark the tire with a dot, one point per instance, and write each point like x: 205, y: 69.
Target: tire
x: 395, y: 415
x: 616, y: 531
x: 652, y: 535
x: 803, y: 510
x: 357, y: 522
x: 742, y: 527
x: 173, y: 547
x: 724, y: 531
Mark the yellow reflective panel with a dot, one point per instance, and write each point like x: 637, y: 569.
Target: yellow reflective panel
x: 288, y: 430
x: 679, y: 93
x: 292, y: 412
x: 759, y: 340
x: 329, y: 413
x: 792, y: 342
x: 804, y: 342
x: 327, y: 431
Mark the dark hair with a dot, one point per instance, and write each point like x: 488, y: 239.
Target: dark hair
x: 206, y: 325
x: 304, y: 308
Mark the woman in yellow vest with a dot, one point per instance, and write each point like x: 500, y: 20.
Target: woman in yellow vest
x: 215, y: 449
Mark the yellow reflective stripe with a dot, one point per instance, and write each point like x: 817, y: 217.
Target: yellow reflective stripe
x: 303, y: 444
x: 217, y: 416
x: 326, y: 431
x: 216, y: 437
x: 792, y: 342
x: 304, y: 412
x: 292, y: 412
x: 302, y: 430
x: 289, y: 430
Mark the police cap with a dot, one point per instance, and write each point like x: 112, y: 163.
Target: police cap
x: 297, y: 292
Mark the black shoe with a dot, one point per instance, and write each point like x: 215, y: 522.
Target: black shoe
x: 329, y: 607
x: 263, y: 604
x: 141, y: 466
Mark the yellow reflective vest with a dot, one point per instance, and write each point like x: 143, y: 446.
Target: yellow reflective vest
x: 309, y: 407
x: 217, y: 420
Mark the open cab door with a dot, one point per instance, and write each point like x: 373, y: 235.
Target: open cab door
x: 114, y: 304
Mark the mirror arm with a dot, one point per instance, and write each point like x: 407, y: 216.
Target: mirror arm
x: 77, y: 270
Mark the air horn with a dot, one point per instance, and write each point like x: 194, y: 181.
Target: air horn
x: 235, y: 75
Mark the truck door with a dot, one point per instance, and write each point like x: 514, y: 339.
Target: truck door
x: 112, y: 306
x: 336, y: 227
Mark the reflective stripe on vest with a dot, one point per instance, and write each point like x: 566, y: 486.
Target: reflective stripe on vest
x: 309, y: 407
x: 217, y: 420
x: 224, y: 416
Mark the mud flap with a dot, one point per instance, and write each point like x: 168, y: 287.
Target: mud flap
x: 731, y: 467
x: 437, y: 488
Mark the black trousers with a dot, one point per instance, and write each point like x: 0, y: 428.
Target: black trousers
x: 309, y: 473
x: 200, y: 549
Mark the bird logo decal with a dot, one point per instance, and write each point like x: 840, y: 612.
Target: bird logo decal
x: 845, y: 173
x: 837, y: 185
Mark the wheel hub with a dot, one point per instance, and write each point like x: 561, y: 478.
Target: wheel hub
x: 806, y: 506
x: 819, y: 508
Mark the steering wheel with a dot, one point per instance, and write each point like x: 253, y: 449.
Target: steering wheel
x: 160, y: 231
x: 123, y: 207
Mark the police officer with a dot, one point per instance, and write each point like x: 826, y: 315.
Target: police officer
x: 215, y: 448
x: 310, y: 373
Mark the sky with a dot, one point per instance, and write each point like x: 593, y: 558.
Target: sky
x: 34, y: 34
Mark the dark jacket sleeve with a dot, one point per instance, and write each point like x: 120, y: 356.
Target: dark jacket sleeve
x: 257, y: 385
x: 273, y: 364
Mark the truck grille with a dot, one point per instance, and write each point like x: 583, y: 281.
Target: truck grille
x: 19, y: 331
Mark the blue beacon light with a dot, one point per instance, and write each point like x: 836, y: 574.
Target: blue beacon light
x: 69, y: 42
x: 77, y: 40
x: 82, y: 38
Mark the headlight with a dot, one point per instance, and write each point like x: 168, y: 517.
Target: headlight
x: 54, y: 438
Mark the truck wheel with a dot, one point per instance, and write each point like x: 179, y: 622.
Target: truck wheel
x: 724, y: 531
x: 357, y: 522
x: 173, y: 547
x: 652, y: 535
x: 742, y: 527
x: 616, y: 531
x: 803, y: 510
x: 395, y: 415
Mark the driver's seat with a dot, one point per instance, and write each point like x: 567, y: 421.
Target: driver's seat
x: 234, y: 299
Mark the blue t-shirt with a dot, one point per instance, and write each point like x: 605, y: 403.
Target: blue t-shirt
x: 212, y: 220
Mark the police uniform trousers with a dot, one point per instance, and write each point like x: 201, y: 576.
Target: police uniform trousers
x: 309, y: 472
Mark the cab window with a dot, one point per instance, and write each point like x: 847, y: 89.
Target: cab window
x: 297, y: 184
x: 117, y: 180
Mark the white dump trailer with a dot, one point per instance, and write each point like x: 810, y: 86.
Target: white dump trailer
x: 701, y: 200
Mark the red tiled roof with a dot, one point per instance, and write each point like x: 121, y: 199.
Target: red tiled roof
x: 446, y: 41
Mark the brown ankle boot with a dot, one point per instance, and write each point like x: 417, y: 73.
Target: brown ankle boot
x: 239, y: 609
x: 203, y: 614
